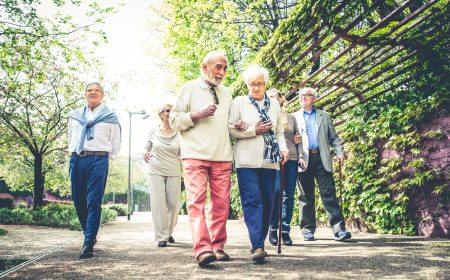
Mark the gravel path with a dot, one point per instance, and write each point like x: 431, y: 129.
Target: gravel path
x: 126, y: 250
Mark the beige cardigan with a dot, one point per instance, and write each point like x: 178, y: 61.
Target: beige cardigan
x: 249, y: 147
x: 208, y: 139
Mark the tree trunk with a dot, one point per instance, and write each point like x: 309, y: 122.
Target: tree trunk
x: 38, y: 191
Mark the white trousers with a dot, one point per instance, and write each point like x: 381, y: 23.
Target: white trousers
x: 164, y: 200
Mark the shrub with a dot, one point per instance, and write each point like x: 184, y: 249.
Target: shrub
x: 52, y: 215
x: 15, y: 217
x: 108, y: 215
x: 3, y: 232
x: 53, y: 201
x: 6, y: 200
x: 121, y: 209
x: 20, y: 205
x: 236, y: 206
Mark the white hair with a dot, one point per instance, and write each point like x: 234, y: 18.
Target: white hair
x: 214, y: 54
x: 308, y: 90
x: 94, y: 83
x: 255, y: 71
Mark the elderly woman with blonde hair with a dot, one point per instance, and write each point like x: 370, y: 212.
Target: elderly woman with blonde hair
x: 293, y: 138
x: 257, y: 153
x: 162, y: 155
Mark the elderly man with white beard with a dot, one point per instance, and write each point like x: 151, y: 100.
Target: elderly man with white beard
x: 200, y: 115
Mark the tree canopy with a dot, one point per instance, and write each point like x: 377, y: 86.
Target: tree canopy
x: 42, y: 72
x: 240, y: 28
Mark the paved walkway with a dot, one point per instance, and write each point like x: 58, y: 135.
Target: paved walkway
x: 126, y: 250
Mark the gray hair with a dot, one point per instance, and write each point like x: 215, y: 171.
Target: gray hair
x: 94, y: 83
x: 279, y: 95
x: 308, y: 90
x: 214, y: 54
x: 255, y: 71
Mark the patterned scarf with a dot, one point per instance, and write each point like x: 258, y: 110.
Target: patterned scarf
x: 271, y: 148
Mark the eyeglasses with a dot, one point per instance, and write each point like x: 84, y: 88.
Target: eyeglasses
x: 260, y: 84
x: 214, y: 94
x: 167, y: 110
x: 306, y: 95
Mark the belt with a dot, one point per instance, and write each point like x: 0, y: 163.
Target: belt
x: 316, y: 151
x: 89, y: 153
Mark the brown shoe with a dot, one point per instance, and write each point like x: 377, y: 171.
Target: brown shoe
x: 205, y: 258
x: 259, y: 255
x: 265, y: 252
x: 221, y: 255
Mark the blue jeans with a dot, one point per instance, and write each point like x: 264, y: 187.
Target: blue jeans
x: 256, y: 187
x: 88, y: 179
x: 290, y: 179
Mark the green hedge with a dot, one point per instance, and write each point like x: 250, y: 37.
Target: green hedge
x: 53, y: 215
x: 121, y: 209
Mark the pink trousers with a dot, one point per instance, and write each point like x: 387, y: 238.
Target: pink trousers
x: 211, y: 235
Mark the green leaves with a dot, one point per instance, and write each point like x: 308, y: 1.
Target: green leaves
x: 41, y: 80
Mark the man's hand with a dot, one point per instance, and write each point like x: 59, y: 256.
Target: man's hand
x: 302, y: 163
x: 262, y: 128
x: 147, y: 157
x: 206, y: 112
x: 240, y: 125
x: 297, y: 138
x: 285, y: 156
x: 340, y: 158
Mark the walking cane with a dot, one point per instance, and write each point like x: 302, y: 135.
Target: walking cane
x: 280, y: 222
x: 340, y: 180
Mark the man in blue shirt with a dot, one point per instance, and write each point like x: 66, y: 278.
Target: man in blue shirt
x: 318, y: 137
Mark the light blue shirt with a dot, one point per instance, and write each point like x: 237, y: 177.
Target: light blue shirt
x: 312, y: 129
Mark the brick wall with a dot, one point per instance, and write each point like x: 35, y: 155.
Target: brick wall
x: 430, y: 210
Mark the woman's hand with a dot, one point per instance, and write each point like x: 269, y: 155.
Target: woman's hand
x: 240, y: 125
x: 297, y: 139
x: 147, y: 157
x: 302, y: 163
x: 262, y: 128
x: 285, y: 156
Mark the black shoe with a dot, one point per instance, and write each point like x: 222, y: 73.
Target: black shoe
x: 162, y: 243
x: 286, y: 238
x: 273, y: 239
x: 171, y: 240
x: 342, y: 235
x: 87, y: 252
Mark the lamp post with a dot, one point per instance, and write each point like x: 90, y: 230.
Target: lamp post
x: 129, y: 196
